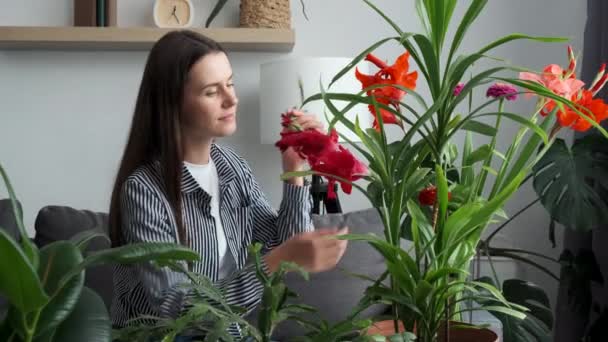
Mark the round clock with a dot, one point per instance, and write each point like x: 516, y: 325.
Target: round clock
x: 173, y: 13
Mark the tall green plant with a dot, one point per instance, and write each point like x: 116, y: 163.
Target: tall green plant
x: 45, y: 288
x: 429, y: 283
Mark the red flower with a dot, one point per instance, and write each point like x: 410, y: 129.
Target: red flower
x: 340, y: 163
x: 428, y: 196
x: 309, y: 144
x: 396, y: 74
x: 323, y: 154
x: 286, y: 120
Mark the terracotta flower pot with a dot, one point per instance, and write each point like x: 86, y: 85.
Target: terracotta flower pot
x: 457, y: 333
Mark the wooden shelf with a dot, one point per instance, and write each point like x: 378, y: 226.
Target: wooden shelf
x: 137, y: 38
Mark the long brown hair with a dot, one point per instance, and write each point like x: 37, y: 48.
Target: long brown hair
x: 155, y: 130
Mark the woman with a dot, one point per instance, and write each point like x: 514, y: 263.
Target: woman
x: 172, y: 165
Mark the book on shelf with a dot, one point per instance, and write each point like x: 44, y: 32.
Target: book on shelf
x: 101, y: 12
x: 95, y: 13
x: 110, y: 11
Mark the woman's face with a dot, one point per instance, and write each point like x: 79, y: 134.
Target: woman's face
x: 209, y: 103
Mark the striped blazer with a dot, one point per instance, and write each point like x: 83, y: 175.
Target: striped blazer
x: 246, y: 215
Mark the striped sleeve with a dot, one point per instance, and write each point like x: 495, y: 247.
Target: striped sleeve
x: 145, y: 219
x: 294, y: 216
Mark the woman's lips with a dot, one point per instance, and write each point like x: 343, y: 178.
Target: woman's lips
x: 228, y: 117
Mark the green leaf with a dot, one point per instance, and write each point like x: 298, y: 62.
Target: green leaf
x: 18, y: 279
x: 219, y: 332
x: 136, y: 253
x: 569, y: 182
x: 536, y: 326
x: 28, y: 247
x: 479, y: 127
x: 437, y: 274
x: 358, y: 59
x: 458, y: 68
x: 469, y: 17
x: 468, y: 174
x: 503, y: 310
x: 531, y: 296
x: 215, y: 11
x: 292, y: 266
x: 430, y: 61
x: 57, y: 259
x: 385, y: 17
x: 541, y: 90
x: 82, y: 239
x: 402, y: 337
x: 442, y: 194
x: 89, y: 321
x: 479, y: 154
x: 523, y: 121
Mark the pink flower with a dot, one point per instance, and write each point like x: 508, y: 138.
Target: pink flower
x: 553, y: 80
x: 561, y: 82
x: 502, y: 90
x: 458, y: 89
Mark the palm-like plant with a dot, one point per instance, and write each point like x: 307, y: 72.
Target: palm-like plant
x: 430, y: 283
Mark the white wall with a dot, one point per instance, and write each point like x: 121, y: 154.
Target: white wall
x: 65, y: 115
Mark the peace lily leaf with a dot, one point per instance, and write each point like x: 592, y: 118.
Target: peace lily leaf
x: 564, y: 180
x: 89, y: 321
x: 19, y: 282
x: 135, y: 253
x: 56, y: 259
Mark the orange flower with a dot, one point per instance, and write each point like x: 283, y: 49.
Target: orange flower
x: 396, y: 74
x: 564, y: 83
x: 595, y: 109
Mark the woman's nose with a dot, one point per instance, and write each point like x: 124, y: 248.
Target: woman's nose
x: 230, y: 99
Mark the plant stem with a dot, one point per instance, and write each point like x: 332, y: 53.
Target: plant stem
x: 498, y: 284
x: 483, y: 173
x: 511, y: 219
x: 435, y: 216
x: 447, y: 320
x: 31, y: 330
x: 395, y: 309
x: 524, y: 260
x: 521, y: 251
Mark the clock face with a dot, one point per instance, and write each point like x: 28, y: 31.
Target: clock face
x: 173, y: 13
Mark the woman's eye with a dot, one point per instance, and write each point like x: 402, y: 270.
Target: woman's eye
x: 230, y: 85
x: 211, y: 93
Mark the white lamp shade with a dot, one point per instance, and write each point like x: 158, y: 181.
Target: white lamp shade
x: 279, y: 91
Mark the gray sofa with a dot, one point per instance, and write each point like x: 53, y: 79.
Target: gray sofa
x: 333, y: 293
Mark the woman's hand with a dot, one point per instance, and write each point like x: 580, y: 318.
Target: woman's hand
x: 291, y: 159
x: 315, y: 251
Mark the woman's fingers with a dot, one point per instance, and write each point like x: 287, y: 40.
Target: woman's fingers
x: 306, y: 120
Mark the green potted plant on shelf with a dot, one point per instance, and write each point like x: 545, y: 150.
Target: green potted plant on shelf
x: 418, y: 186
x: 45, y: 288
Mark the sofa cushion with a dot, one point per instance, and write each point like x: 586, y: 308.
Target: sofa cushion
x: 9, y: 225
x: 55, y: 223
x: 335, y: 293
x: 7, y: 219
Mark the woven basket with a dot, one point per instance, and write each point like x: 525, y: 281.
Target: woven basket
x: 265, y: 13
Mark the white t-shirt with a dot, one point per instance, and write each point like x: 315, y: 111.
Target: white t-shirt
x: 206, y: 176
